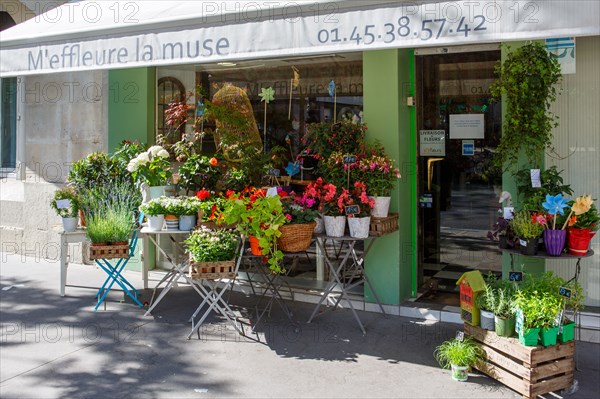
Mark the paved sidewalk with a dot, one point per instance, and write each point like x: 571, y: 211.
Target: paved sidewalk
x: 54, y: 347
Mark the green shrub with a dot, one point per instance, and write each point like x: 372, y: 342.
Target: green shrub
x: 463, y: 353
x: 67, y: 193
x: 206, y: 245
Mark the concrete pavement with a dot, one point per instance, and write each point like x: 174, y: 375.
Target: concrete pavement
x: 52, y: 346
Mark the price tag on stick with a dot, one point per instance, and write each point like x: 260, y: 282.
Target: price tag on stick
x: 564, y: 291
x: 352, y: 209
x: 274, y: 172
x: 515, y: 276
x: 460, y: 336
x: 348, y: 159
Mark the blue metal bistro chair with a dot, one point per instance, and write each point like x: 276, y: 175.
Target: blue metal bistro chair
x: 114, y: 271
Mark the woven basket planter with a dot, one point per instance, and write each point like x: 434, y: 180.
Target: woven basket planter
x: 295, y: 237
x: 211, y: 270
x: 109, y: 251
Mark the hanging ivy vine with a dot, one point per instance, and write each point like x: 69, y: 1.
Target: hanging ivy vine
x: 528, y: 78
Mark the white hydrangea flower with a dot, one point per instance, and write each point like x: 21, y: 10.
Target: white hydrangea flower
x: 163, y: 154
x: 133, y: 165
x: 154, y: 150
x: 143, y: 158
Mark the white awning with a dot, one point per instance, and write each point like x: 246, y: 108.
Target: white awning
x: 89, y: 35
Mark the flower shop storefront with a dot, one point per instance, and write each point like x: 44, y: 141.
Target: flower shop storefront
x: 406, y: 71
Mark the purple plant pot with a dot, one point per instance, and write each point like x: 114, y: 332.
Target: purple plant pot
x: 555, y: 241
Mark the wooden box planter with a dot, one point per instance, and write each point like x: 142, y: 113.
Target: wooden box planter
x: 109, y: 251
x: 212, y: 270
x: 529, y: 370
x: 382, y: 226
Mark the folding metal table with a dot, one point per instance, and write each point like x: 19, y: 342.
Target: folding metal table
x: 351, y: 261
x: 178, y: 269
x: 213, y: 297
x: 115, y: 275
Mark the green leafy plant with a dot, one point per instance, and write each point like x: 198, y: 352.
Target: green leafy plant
x: 199, y: 172
x: 527, y: 77
x: 465, y: 353
x: 505, y: 304
x: 235, y: 179
x: 487, y: 299
x: 254, y: 214
x: 323, y: 139
x: 96, y: 169
x: 376, y: 169
x: 524, y: 227
x: 539, y: 300
x: 67, y: 193
x: 531, y: 198
x: 127, y: 151
x: 574, y: 303
x: 207, y: 245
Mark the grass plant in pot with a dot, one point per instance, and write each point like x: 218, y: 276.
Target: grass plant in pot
x: 505, y: 309
x: 528, y: 230
x: 66, y: 204
x: 486, y: 301
x: 459, y: 355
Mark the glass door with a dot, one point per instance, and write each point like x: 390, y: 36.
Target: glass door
x: 458, y: 130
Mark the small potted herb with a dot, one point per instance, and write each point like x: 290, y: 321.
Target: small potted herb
x: 505, y: 309
x: 486, y: 301
x: 528, y: 229
x: 66, y: 203
x: 188, y: 211
x: 459, y: 355
x: 155, y: 212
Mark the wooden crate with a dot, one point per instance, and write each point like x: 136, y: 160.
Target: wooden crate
x: 381, y: 226
x: 212, y: 270
x: 529, y: 370
x: 109, y: 251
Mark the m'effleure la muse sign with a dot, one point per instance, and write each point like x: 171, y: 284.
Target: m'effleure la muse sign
x: 303, y: 31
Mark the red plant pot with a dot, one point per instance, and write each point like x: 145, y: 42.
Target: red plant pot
x: 578, y: 240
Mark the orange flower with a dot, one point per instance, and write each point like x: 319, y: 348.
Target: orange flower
x: 213, y: 161
x: 572, y: 220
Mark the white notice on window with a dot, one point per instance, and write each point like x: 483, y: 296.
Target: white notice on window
x: 467, y: 126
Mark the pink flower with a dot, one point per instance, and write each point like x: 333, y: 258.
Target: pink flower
x: 288, y: 216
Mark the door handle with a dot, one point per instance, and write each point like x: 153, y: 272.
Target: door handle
x: 430, y: 162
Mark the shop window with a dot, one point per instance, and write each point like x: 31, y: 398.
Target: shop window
x: 8, y: 124
x: 310, y: 101
x: 169, y: 89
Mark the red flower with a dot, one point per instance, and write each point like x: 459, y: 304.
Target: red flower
x: 229, y: 193
x: 213, y: 161
x: 203, y: 194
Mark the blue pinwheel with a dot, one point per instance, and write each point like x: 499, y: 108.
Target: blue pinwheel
x: 292, y: 168
x: 555, y: 204
x: 200, y: 109
x: 331, y: 88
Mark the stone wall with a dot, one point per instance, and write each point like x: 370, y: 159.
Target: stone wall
x: 61, y: 118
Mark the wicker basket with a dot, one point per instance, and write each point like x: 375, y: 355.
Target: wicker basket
x: 381, y: 226
x: 295, y: 237
x: 109, y: 251
x: 211, y: 270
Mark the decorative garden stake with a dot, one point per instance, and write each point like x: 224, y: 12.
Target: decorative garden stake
x: 333, y: 93
x: 294, y: 83
x: 267, y: 95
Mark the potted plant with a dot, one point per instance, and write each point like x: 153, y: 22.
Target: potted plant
x: 206, y: 245
x: 66, y: 204
x: 554, y: 239
x: 528, y: 229
x: 486, y: 302
x: 459, y: 355
x: 332, y: 205
x: 583, y: 221
x: 155, y: 211
x: 297, y: 232
x: 531, y: 198
x: 153, y: 168
x: 539, y: 305
x: 256, y: 215
x: 311, y: 198
x: 502, y: 231
x: 199, y: 172
x: 377, y: 170
x: 574, y: 303
x: 505, y: 309
x: 527, y: 78
x: 359, y: 223
x: 323, y: 139
x: 188, y: 211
